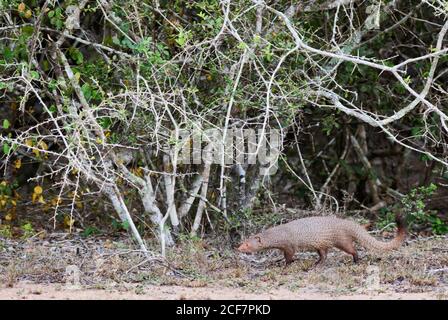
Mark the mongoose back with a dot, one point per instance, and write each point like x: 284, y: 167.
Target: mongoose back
x: 320, y: 234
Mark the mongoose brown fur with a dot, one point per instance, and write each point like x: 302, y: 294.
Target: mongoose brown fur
x: 320, y: 234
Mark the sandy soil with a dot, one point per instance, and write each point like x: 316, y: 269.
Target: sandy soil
x: 28, y: 291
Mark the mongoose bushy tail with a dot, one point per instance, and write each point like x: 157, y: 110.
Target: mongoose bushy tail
x: 320, y: 234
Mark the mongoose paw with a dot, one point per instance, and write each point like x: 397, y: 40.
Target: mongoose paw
x: 286, y: 265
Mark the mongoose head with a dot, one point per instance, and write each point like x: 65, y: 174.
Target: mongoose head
x: 253, y: 244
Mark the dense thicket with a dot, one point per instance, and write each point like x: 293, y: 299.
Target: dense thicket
x: 96, y: 94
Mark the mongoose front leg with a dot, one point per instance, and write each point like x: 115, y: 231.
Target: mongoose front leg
x: 322, y: 257
x: 289, y: 254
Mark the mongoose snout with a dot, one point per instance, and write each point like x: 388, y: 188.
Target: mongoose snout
x: 250, y: 245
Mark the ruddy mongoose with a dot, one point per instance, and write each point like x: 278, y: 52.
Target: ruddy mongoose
x: 320, y: 234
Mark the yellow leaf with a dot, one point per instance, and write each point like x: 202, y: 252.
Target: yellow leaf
x: 14, y: 203
x: 99, y: 141
x: 8, y: 217
x: 21, y: 7
x: 68, y: 221
x: 28, y: 14
x: 56, y: 201
x: 36, y: 152
x: 38, y: 190
x: 42, y: 145
x: 18, y: 163
x: 73, y: 194
x: 4, y: 183
x: 29, y: 142
x: 41, y: 199
x: 78, y: 204
x: 2, y: 202
x: 137, y: 171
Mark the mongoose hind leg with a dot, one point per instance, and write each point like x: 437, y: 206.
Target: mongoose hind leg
x: 350, y: 249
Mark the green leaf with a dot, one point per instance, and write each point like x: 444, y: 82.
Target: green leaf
x: 27, y: 31
x: 125, y: 225
x: 182, y: 38
x: 50, y: 14
x: 127, y: 43
x: 242, y: 46
x: 52, y: 85
x: 105, y: 123
x: 76, y: 55
x: 6, y: 124
x: 8, y: 54
x: 52, y: 109
x: 34, y: 74
x: 6, y: 148
x: 87, y: 91
x: 116, y: 41
x: 59, y: 24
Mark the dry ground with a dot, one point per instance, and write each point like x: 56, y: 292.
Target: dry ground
x: 26, y: 291
x: 40, y: 269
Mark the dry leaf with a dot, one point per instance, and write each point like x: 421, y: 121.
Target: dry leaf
x: 18, y: 163
x: 21, y: 7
